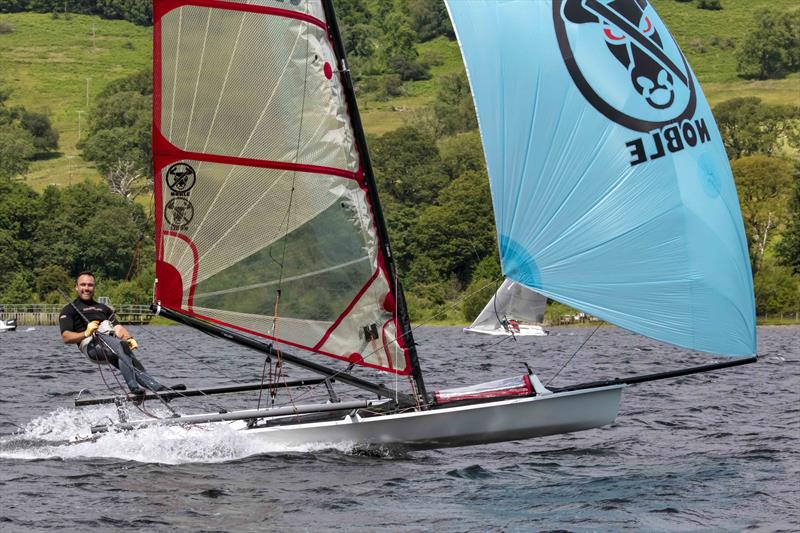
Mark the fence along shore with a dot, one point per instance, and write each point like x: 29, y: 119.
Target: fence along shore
x: 47, y: 314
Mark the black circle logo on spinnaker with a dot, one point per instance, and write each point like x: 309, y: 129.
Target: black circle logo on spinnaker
x: 624, y: 62
x: 181, y: 177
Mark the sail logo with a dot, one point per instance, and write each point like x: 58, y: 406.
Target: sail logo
x: 179, y: 211
x: 181, y: 178
x: 625, y: 62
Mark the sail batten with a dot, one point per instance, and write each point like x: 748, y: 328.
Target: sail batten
x: 610, y: 184
x: 266, y: 225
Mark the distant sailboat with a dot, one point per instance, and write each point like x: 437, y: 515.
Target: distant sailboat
x: 611, y: 191
x: 513, y: 310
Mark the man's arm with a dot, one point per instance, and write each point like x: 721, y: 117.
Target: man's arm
x: 68, y: 324
x: 72, y: 337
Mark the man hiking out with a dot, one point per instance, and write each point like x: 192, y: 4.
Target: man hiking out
x: 102, y: 339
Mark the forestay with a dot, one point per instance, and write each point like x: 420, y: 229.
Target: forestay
x: 265, y: 223
x: 611, y: 188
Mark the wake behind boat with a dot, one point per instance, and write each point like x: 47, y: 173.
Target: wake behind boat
x: 611, y: 191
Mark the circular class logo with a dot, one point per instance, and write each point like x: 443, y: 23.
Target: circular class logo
x: 625, y: 62
x: 179, y: 212
x: 181, y: 177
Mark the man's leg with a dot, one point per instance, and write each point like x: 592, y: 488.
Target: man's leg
x: 103, y: 351
x: 130, y: 365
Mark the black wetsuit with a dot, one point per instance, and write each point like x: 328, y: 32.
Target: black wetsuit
x: 106, y: 348
x: 71, y: 320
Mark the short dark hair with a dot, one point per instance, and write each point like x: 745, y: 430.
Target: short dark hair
x: 85, y: 273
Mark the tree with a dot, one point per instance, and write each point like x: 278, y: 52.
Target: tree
x: 20, y: 214
x: 458, y: 232
x: 407, y: 165
x: 49, y: 280
x: 429, y: 19
x: 110, y: 242
x: 16, y: 147
x: 486, y: 279
x: 789, y: 247
x: 709, y: 4
x: 45, y: 138
x: 749, y: 126
x: 399, y: 52
x: 763, y: 184
x: 357, y: 32
x: 776, y: 290
x: 462, y: 153
x: 16, y: 290
x: 773, y: 48
x: 454, y: 109
x: 127, y: 180
x: 111, y: 147
x: 119, y: 131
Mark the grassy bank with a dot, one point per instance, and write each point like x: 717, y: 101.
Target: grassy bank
x: 47, y: 61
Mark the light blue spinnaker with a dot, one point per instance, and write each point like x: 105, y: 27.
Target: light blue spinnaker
x: 612, y: 192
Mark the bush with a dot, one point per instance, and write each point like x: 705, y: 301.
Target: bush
x: 709, y: 4
x: 478, y: 293
x: 773, y: 49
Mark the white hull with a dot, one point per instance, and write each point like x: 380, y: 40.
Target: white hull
x: 10, y: 325
x: 524, y: 331
x: 515, y: 419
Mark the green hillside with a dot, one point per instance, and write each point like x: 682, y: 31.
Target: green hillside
x: 47, y: 61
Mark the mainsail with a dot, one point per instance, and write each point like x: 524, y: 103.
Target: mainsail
x: 267, y: 218
x: 611, y: 188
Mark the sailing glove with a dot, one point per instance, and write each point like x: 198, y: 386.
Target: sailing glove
x: 132, y: 343
x: 91, y: 328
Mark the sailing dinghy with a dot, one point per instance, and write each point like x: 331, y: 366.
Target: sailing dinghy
x: 611, y: 189
x: 512, y: 310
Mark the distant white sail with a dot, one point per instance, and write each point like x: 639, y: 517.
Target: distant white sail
x: 514, y: 309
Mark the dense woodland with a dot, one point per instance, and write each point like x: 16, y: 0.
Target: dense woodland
x: 431, y: 172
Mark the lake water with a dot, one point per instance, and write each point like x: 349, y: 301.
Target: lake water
x: 717, y: 451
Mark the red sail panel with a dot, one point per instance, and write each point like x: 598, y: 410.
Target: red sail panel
x: 265, y: 222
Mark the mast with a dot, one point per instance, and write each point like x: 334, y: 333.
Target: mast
x: 369, y: 178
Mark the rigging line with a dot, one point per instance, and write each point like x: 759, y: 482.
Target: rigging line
x: 456, y: 303
x: 119, y: 383
x: 279, y: 364
x: 137, y: 247
x: 175, y: 72
x: 164, y: 340
x: 396, y: 345
x: 267, y: 359
x: 504, y: 321
x: 574, y: 354
x: 294, y: 173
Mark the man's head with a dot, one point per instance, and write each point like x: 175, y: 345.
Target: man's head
x: 84, y: 286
